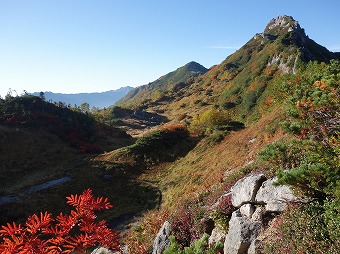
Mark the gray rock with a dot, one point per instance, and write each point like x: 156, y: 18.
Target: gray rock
x: 254, y: 247
x: 247, y: 210
x: 162, y: 240
x: 101, y: 250
x: 244, y: 190
x: 275, y: 198
x: 258, y: 214
x: 241, y: 233
x: 217, y: 235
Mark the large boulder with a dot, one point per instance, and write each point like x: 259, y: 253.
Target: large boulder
x: 245, y: 189
x: 275, y: 198
x: 242, y: 232
x: 162, y: 240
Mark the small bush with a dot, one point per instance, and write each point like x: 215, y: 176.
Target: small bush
x: 184, y: 229
x: 215, y: 138
x: 209, y: 120
x: 198, y: 247
x: 306, y: 165
x: 222, y: 214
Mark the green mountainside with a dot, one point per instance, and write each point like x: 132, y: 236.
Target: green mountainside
x: 243, y: 80
x: 162, y: 87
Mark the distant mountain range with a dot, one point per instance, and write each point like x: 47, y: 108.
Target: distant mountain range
x: 100, y: 100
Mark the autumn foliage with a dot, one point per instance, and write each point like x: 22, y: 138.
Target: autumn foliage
x: 74, y: 232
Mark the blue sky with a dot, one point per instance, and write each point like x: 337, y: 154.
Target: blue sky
x: 73, y: 46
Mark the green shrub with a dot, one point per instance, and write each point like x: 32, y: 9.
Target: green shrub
x: 306, y: 165
x: 209, y: 120
x: 310, y: 163
x: 165, y: 144
x: 215, y: 138
x: 314, y: 101
x: 250, y: 98
x: 198, y: 247
x: 173, y: 248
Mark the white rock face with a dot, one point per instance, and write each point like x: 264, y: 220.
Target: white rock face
x: 247, y: 210
x: 253, y: 247
x: 101, y: 250
x: 255, y: 197
x: 283, y: 22
x: 244, y: 190
x: 278, y: 22
x: 275, y: 198
x: 258, y: 214
x: 242, y: 232
x: 162, y: 240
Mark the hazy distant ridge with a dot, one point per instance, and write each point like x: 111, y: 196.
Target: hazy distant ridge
x: 100, y: 100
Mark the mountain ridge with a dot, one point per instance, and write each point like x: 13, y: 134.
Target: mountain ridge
x: 163, y: 85
x: 245, y: 77
x: 94, y: 99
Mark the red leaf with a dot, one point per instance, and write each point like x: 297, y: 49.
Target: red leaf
x: 35, y: 223
x: 10, y: 230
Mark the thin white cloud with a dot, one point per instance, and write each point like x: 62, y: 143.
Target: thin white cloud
x: 224, y: 47
x: 334, y: 48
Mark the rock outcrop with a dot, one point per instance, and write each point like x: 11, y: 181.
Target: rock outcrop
x: 242, y: 232
x: 256, y: 201
x: 255, y: 197
x: 162, y: 240
x: 101, y: 250
x: 245, y: 189
x: 274, y: 197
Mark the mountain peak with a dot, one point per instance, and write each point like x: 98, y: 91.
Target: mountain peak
x: 288, y: 33
x: 282, y: 25
x: 195, y: 67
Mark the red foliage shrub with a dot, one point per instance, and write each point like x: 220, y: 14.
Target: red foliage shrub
x: 184, y: 229
x: 187, y: 226
x: 65, y: 234
x: 176, y: 127
x: 225, y: 206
